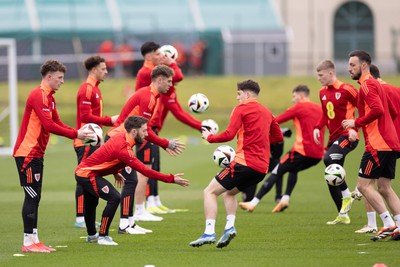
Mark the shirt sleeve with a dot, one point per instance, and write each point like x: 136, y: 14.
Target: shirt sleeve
x: 180, y: 114
x: 178, y: 75
x: 126, y: 155
x: 232, y: 129
x: 323, y: 121
x: 289, y: 114
x: 51, y: 121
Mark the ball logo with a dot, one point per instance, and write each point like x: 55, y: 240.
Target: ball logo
x: 105, y: 189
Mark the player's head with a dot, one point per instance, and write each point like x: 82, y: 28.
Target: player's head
x: 300, y: 93
x: 161, y: 77
x: 53, y: 73
x: 136, y: 126
x: 246, y: 90
x: 97, y: 67
x: 359, y: 62
x: 374, y: 70
x: 326, y: 73
x: 151, y: 52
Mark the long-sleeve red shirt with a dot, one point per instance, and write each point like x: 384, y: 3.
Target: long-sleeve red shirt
x: 39, y: 120
x: 142, y: 103
x: 169, y: 101
x: 89, y: 107
x: 256, y: 129
x: 114, y: 155
x: 338, y: 103
x: 374, y: 118
x: 305, y: 115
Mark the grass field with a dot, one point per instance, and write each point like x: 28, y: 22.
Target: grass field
x: 296, y: 237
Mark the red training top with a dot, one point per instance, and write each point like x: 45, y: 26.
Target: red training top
x: 114, y: 155
x: 305, y: 115
x: 338, y: 103
x: 374, y: 118
x: 256, y: 129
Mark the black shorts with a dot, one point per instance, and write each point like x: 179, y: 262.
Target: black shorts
x: 32, y: 173
x: 338, y: 149
x: 98, y: 186
x: 294, y: 162
x: 82, y: 152
x: 238, y: 176
x: 378, y: 164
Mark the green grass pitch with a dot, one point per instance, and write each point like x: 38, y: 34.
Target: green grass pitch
x: 296, y: 237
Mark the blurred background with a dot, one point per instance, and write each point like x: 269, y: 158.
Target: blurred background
x: 213, y: 37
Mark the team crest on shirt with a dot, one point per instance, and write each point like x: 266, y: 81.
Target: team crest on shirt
x: 37, y: 177
x: 128, y: 169
x: 337, y: 95
x: 105, y: 189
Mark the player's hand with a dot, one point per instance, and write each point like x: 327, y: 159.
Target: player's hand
x: 85, y: 133
x: 205, y: 132
x: 180, y: 181
x: 175, y: 147
x: 316, y: 135
x: 348, y: 124
x: 114, y: 118
x: 119, y: 180
x: 352, y: 135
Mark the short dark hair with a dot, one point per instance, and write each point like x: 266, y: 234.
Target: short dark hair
x: 93, y: 61
x: 249, y: 85
x: 149, y: 47
x: 52, y: 66
x: 374, y: 70
x: 362, y: 55
x: 134, y: 122
x: 301, y: 88
x: 325, y: 65
x: 161, y: 70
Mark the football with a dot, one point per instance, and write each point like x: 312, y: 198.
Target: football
x: 170, y: 51
x: 211, y: 125
x: 223, y: 156
x: 97, y: 137
x: 335, y: 174
x: 198, y: 103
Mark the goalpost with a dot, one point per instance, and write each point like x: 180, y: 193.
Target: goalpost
x: 12, y: 109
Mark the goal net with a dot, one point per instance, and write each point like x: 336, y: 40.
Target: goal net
x: 8, y: 97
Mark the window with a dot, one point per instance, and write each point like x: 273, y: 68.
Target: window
x: 353, y: 30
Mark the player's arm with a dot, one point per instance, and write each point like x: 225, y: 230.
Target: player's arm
x: 375, y: 104
x: 180, y: 114
x: 287, y: 115
x: 84, y: 100
x: 178, y: 75
x: 126, y: 155
x: 50, y: 120
x: 230, y: 132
